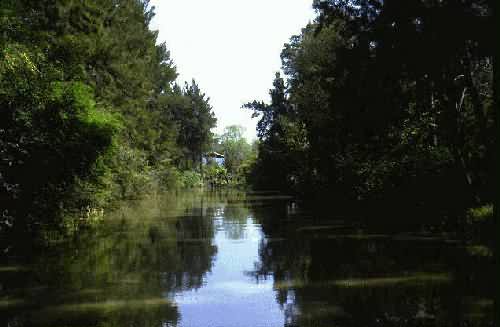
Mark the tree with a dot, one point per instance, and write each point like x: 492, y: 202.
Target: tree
x: 384, y: 99
x: 282, y: 161
x: 52, y: 132
x: 90, y: 112
x: 235, y: 148
x: 194, y: 117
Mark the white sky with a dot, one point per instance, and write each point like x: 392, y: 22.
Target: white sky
x: 230, y: 47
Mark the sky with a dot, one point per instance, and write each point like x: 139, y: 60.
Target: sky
x: 230, y: 47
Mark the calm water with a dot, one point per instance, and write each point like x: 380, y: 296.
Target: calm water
x: 231, y: 259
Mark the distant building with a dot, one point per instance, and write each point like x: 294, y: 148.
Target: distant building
x: 214, y: 157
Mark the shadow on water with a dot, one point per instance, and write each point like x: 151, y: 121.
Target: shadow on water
x: 231, y: 259
x: 335, y: 272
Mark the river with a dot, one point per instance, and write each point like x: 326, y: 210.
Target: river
x: 236, y: 259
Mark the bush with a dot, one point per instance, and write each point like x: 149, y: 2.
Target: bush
x: 191, y: 179
x: 171, y: 178
x: 216, y: 175
x: 480, y: 214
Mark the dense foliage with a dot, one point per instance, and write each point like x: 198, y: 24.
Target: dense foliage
x: 89, y: 109
x: 238, y: 153
x: 238, y: 157
x: 384, y: 100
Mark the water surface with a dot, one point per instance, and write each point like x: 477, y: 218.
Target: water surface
x: 229, y: 259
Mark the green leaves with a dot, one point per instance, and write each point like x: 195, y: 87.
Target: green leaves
x: 16, y: 58
x: 88, y: 109
x: 383, y: 98
x: 235, y: 148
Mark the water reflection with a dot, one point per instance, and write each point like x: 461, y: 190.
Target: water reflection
x: 235, y: 259
x: 122, y: 274
x: 330, y: 273
x: 230, y: 297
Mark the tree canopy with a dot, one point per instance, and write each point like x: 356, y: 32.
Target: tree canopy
x: 90, y: 111
x: 384, y: 99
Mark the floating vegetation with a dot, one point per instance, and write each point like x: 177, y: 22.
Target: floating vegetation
x: 418, y: 238
x: 12, y: 269
x: 320, y: 228
x: 480, y: 214
x: 359, y: 236
x: 405, y: 280
x: 400, y: 280
x: 479, y: 251
x: 275, y: 239
x: 104, y: 306
x: 10, y: 302
x: 478, y: 308
x: 317, y: 310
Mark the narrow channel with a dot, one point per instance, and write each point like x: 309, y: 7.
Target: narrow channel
x: 236, y: 259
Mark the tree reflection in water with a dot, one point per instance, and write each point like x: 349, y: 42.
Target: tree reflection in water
x: 332, y: 273
x: 140, y: 267
x: 120, y: 274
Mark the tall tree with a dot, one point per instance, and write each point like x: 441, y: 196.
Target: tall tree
x: 281, y: 163
x: 195, y: 118
x: 89, y: 107
x: 393, y: 98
